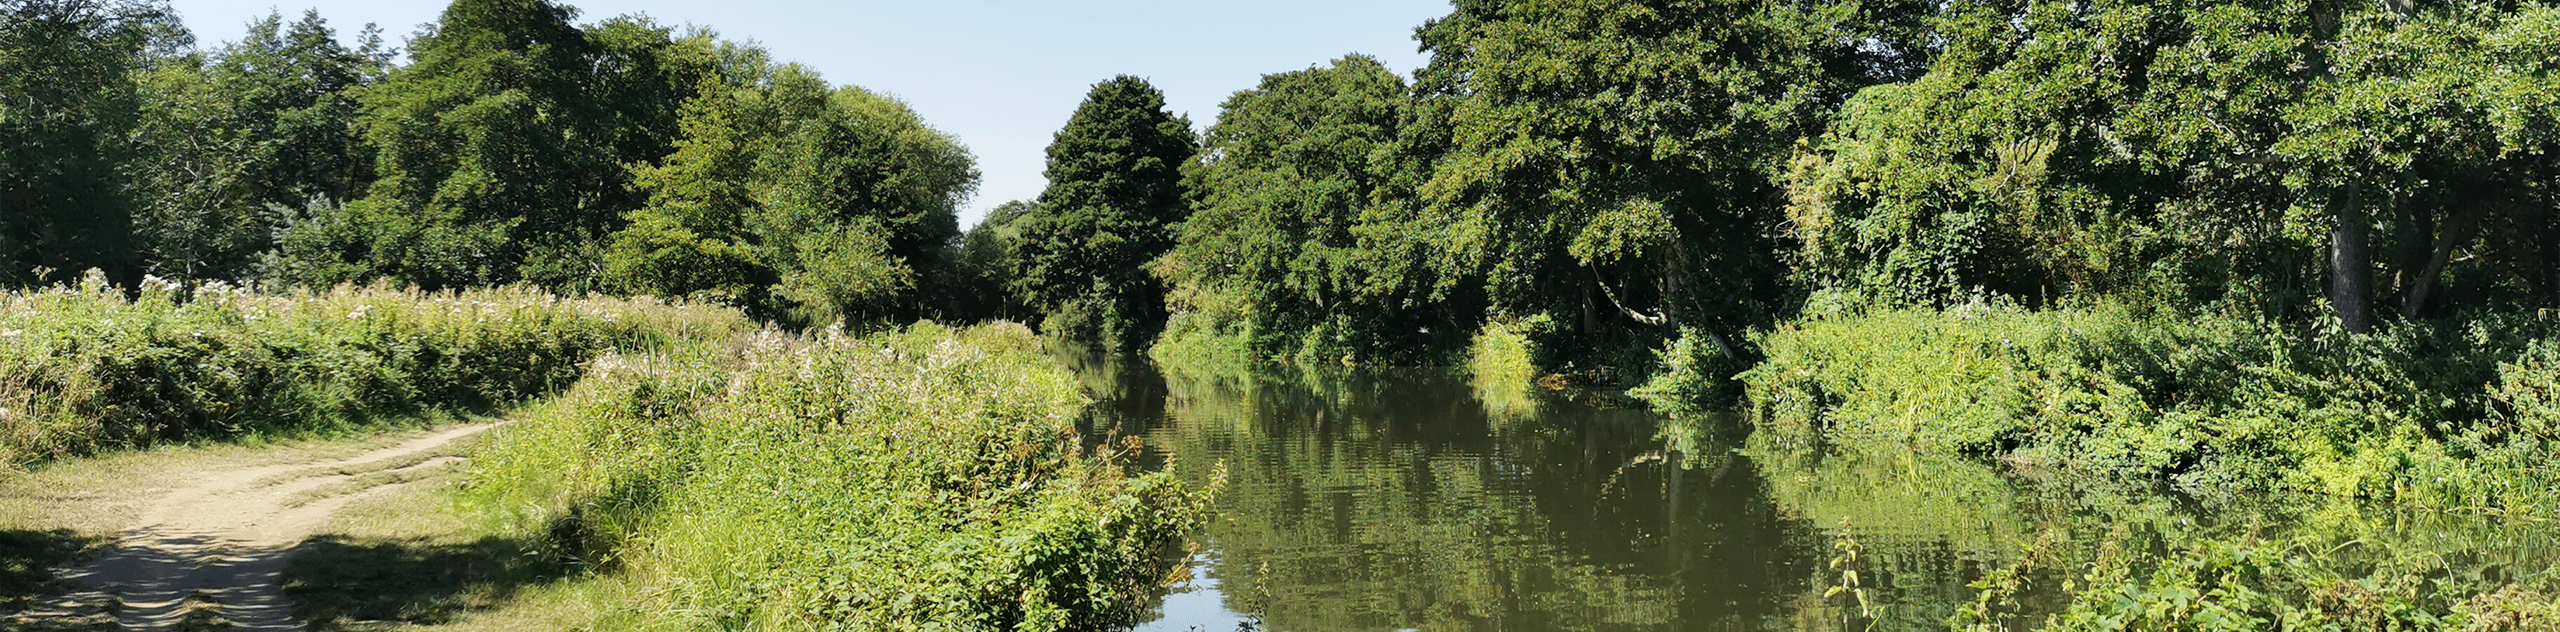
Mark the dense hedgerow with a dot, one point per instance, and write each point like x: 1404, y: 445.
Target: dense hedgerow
x: 926, y: 479
x: 90, y: 366
x: 2455, y: 417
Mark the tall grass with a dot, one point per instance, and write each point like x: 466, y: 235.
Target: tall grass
x: 1502, y: 365
x: 89, y: 367
x: 924, y: 479
x: 2441, y: 415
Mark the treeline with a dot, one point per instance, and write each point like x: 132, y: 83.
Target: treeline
x: 1604, y: 176
x: 1600, y: 178
x: 513, y: 147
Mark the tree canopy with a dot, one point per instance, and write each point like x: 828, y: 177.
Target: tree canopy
x: 1114, y: 199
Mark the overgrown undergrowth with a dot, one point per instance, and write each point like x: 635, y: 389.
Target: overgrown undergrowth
x: 925, y: 479
x: 91, y: 367
x: 2443, y: 416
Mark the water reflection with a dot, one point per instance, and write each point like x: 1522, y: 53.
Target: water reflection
x: 1392, y: 500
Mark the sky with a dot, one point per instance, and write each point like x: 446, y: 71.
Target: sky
x: 1002, y: 76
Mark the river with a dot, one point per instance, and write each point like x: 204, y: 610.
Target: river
x: 1410, y: 500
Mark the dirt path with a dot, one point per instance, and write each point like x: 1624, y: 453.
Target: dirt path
x: 211, y: 554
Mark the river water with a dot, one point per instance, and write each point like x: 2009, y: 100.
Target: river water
x: 1411, y: 500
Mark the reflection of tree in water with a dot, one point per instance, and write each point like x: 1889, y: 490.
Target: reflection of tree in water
x: 1376, y: 501
x: 1934, y: 524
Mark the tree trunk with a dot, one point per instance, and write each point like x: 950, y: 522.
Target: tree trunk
x: 2456, y: 229
x: 2350, y: 274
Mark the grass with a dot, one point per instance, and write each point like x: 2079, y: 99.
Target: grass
x: 924, y: 479
x: 2420, y: 419
x: 2208, y: 404
x: 89, y: 368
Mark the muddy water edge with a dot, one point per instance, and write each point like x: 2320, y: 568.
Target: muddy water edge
x: 1396, y: 499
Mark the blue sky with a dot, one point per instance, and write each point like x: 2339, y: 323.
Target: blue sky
x: 1001, y: 75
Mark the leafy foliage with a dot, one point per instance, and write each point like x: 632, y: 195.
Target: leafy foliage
x: 226, y: 137
x: 1114, y: 199
x: 1274, y: 254
x: 67, y: 99
x: 2211, y: 404
x: 788, y: 196
x: 501, y: 148
x: 2191, y: 153
x: 924, y: 479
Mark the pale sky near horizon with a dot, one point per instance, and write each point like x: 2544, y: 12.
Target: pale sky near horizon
x: 1001, y: 75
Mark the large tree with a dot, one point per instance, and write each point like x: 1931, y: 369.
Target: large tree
x: 1274, y: 251
x: 1609, y: 163
x: 266, y: 121
x: 67, y: 99
x: 792, y: 197
x: 502, y: 149
x: 1115, y: 195
x: 2273, y: 155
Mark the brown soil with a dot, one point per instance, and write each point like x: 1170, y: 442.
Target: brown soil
x: 211, y: 554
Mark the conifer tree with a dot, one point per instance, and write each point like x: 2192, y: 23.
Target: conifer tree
x: 1115, y: 196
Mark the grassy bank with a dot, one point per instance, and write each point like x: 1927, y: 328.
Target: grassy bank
x: 927, y: 479
x: 91, y: 367
x: 2436, y: 415
x: 2112, y: 402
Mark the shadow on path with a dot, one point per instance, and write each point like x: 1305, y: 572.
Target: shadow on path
x: 30, y: 562
x: 335, y: 580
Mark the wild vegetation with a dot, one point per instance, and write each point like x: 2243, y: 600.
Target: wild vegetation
x: 930, y: 478
x: 89, y: 367
x: 2226, y: 247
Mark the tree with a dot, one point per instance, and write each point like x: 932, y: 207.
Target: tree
x: 985, y: 264
x: 791, y: 197
x: 1274, y: 252
x: 2252, y: 155
x: 502, y: 148
x: 267, y: 121
x: 67, y: 99
x: 1611, y: 163
x: 1115, y: 194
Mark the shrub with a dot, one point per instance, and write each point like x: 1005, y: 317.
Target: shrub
x: 925, y: 479
x: 89, y: 367
x: 2207, y: 402
x: 1502, y: 364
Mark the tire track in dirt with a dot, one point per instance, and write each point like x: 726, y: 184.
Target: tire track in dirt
x: 212, y: 554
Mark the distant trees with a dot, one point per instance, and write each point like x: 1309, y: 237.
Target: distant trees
x: 1115, y: 196
x: 515, y: 147
x: 1595, y: 177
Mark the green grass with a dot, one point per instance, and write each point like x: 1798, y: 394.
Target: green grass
x: 91, y: 367
x: 2441, y: 416
x: 924, y: 479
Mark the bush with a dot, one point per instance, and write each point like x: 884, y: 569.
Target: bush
x: 2248, y: 584
x: 1502, y: 364
x: 86, y: 368
x: 926, y: 479
x: 2210, y: 403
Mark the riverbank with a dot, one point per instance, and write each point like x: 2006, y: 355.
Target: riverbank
x: 711, y: 475
x: 2423, y: 418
